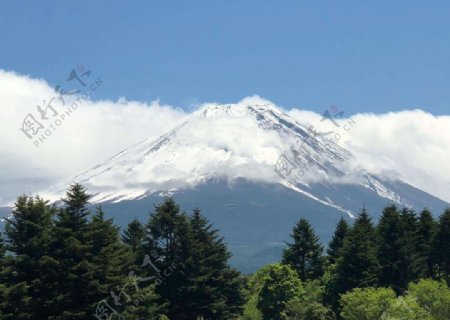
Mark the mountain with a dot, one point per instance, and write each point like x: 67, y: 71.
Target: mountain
x: 254, y: 171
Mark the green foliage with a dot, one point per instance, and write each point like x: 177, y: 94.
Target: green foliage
x: 134, y: 235
x: 179, y: 265
x: 307, y: 310
x: 397, y: 233
x: 200, y: 281
x: 358, y: 266
x: 432, y: 296
x: 281, y: 285
x: 406, y: 308
x: 29, y: 271
x: 367, y: 303
x: 71, y: 248
x: 337, y: 242
x: 304, y: 255
x: 217, y: 289
x: 251, y: 311
x: 442, y: 247
x: 426, y: 232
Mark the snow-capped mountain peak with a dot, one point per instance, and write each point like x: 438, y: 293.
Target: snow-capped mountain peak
x: 252, y: 140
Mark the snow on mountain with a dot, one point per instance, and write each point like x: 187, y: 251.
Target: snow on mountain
x: 246, y: 140
x: 254, y: 171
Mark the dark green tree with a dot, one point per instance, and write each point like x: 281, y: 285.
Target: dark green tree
x: 337, y: 242
x: 30, y: 269
x: 111, y: 260
x: 72, y: 248
x: 304, y: 255
x: 426, y: 232
x: 217, y: 288
x: 168, y: 245
x: 134, y: 235
x: 409, y: 238
x: 358, y: 266
x: 441, y: 247
x: 390, y: 253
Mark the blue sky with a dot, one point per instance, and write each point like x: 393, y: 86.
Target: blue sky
x: 362, y: 56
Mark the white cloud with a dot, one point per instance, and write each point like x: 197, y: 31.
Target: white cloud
x: 93, y: 132
x: 413, y: 144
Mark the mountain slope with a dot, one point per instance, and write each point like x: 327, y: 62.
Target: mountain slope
x: 254, y: 172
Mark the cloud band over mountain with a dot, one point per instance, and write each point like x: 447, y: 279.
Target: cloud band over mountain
x: 412, y: 145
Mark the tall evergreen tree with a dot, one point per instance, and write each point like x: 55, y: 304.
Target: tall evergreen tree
x: 31, y: 272
x: 217, y: 289
x: 337, y: 242
x: 390, y: 249
x: 426, y: 232
x: 134, y: 235
x: 304, y: 255
x: 441, y: 247
x: 409, y: 240
x: 168, y: 243
x: 358, y: 266
x: 111, y: 260
x: 71, y: 247
x: 115, y: 274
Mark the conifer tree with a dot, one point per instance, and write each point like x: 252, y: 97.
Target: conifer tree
x: 426, y: 232
x: 390, y: 249
x: 217, y: 289
x: 111, y: 260
x: 358, y: 266
x: 304, y: 255
x: 441, y: 247
x: 168, y: 243
x: 409, y: 238
x: 30, y: 269
x: 337, y: 242
x: 71, y: 247
x: 134, y: 235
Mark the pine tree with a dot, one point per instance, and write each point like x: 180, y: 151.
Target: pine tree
x: 337, y: 242
x: 390, y: 249
x: 217, y: 289
x: 358, y: 266
x: 111, y: 260
x: 441, y: 247
x: 71, y: 247
x: 30, y: 268
x: 134, y: 235
x: 409, y: 238
x: 426, y: 233
x: 168, y: 243
x: 304, y: 255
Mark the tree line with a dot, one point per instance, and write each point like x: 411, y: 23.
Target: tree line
x: 61, y: 262
x: 68, y: 263
x: 396, y: 269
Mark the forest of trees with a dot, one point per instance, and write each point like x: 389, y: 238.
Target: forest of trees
x: 65, y: 262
